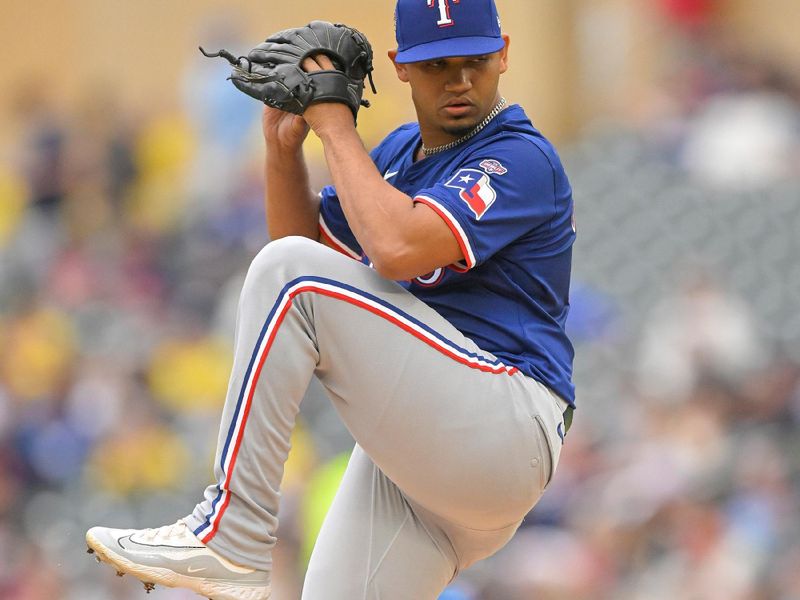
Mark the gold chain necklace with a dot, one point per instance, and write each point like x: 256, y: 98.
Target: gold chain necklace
x: 478, y: 128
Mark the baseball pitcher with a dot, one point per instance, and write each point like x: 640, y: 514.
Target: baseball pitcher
x: 427, y: 289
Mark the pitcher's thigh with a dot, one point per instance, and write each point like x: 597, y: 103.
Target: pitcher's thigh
x: 373, y: 547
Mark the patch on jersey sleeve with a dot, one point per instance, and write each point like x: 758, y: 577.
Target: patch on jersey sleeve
x: 492, y: 166
x: 476, y: 190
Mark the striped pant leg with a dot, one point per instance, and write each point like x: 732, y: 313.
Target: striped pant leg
x: 449, y: 424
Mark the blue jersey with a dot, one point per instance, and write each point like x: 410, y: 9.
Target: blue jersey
x: 507, y: 200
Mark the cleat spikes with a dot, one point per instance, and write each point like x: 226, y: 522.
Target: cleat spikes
x: 148, y: 587
x: 89, y: 550
x: 97, y: 558
x: 120, y: 573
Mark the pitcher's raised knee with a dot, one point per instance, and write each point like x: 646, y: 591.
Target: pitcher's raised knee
x: 290, y: 257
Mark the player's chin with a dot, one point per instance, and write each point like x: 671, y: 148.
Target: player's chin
x: 460, y: 125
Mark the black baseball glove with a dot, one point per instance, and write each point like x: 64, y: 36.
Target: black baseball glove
x: 272, y: 72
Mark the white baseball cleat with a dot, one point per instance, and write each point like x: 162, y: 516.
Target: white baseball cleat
x: 173, y: 556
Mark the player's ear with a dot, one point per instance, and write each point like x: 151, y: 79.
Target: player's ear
x: 402, y: 71
x: 504, y: 54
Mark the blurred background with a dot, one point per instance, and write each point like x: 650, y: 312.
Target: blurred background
x: 130, y: 207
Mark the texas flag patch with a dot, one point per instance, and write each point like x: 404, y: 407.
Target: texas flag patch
x: 475, y: 189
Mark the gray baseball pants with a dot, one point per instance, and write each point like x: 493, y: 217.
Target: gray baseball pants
x: 453, y: 446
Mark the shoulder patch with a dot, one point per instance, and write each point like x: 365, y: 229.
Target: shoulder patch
x: 492, y: 166
x: 475, y: 189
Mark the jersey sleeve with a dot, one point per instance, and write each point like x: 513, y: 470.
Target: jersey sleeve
x: 496, y: 195
x: 333, y: 226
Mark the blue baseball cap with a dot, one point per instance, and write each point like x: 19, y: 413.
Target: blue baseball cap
x: 431, y: 29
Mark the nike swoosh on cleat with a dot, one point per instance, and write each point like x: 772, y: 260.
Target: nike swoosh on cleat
x: 195, y: 570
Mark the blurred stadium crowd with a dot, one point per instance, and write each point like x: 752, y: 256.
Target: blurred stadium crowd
x: 123, y: 243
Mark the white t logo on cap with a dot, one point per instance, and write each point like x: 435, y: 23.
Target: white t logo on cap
x: 444, y: 12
